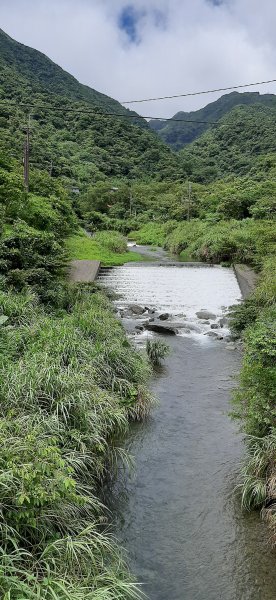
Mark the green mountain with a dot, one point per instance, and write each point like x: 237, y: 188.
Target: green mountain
x: 178, y: 135
x: 70, y: 135
x: 243, y: 144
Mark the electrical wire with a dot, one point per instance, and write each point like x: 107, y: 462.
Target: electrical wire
x: 185, y: 95
x: 105, y: 114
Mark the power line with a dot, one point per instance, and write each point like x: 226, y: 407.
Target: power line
x: 105, y: 114
x: 185, y: 95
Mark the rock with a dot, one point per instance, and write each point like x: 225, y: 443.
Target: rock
x: 139, y: 327
x: 165, y: 329
x: 136, y: 309
x: 205, y: 322
x: 223, y: 322
x: 205, y: 315
x: 151, y: 311
x: 214, y: 335
x: 164, y: 317
x: 231, y: 346
x: 214, y: 326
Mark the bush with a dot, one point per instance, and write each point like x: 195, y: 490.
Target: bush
x: 112, y: 240
x: 31, y: 257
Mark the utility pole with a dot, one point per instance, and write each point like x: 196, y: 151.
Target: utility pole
x: 27, y: 155
x: 130, y: 202
x: 189, y: 200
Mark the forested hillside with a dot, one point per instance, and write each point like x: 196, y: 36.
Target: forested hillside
x: 70, y: 135
x: 242, y: 144
x: 178, y: 134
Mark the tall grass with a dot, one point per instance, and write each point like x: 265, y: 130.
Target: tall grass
x: 70, y: 382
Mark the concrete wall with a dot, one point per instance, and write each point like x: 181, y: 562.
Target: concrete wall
x: 247, y: 279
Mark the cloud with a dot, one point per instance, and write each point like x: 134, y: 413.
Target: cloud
x: 144, y: 48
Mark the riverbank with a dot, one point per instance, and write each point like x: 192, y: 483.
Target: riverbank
x: 82, y: 247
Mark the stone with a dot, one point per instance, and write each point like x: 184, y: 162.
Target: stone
x: 223, y: 322
x: 164, y: 317
x: 205, y: 322
x: 136, y: 309
x: 214, y: 335
x: 165, y: 329
x: 139, y: 327
x: 214, y: 326
x: 205, y: 315
x: 230, y: 346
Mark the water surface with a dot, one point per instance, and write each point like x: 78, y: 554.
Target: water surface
x: 177, y: 517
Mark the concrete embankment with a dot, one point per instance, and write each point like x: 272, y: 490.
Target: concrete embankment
x: 247, y: 279
x: 84, y: 271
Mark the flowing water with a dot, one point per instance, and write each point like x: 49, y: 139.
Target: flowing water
x: 177, y: 516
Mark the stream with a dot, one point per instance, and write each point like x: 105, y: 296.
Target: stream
x: 177, y: 515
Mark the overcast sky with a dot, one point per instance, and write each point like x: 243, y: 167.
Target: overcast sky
x: 144, y: 48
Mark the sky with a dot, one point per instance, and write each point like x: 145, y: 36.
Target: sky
x: 132, y: 49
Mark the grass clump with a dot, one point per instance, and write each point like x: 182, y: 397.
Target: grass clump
x: 157, y: 350
x: 112, y: 240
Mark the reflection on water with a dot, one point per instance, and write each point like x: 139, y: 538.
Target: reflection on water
x: 184, y: 531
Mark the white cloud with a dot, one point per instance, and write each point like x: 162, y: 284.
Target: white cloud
x: 197, y: 45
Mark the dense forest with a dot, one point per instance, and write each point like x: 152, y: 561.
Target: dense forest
x: 70, y: 379
x: 195, y: 123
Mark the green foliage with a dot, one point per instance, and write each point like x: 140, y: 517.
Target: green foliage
x: 255, y: 399
x: 157, y: 350
x: 31, y: 257
x: 69, y: 383
x: 82, y: 247
x: 179, y: 134
x: 112, y: 240
x: 237, y: 146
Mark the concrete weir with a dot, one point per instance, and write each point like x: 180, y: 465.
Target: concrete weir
x: 84, y: 271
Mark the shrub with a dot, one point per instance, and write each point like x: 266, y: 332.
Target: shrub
x: 112, y: 240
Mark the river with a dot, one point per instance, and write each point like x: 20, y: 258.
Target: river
x: 177, y: 516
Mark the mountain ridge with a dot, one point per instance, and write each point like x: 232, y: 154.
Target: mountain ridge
x: 178, y: 135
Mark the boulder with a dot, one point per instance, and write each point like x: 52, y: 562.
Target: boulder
x: 165, y: 329
x: 214, y: 335
x: 164, y: 317
x: 135, y: 309
x: 205, y: 315
x: 223, y: 321
x: 214, y: 326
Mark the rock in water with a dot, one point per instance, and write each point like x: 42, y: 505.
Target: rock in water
x: 136, y: 309
x: 205, y: 315
x: 164, y: 317
x: 165, y: 329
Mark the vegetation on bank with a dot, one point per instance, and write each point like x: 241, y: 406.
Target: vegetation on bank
x: 108, y: 247
x: 70, y: 384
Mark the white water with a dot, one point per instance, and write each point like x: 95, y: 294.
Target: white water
x: 179, y: 290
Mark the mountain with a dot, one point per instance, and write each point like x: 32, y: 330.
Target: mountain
x: 242, y: 144
x: 71, y: 134
x: 178, y: 135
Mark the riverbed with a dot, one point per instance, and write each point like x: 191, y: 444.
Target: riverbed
x: 177, y: 516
